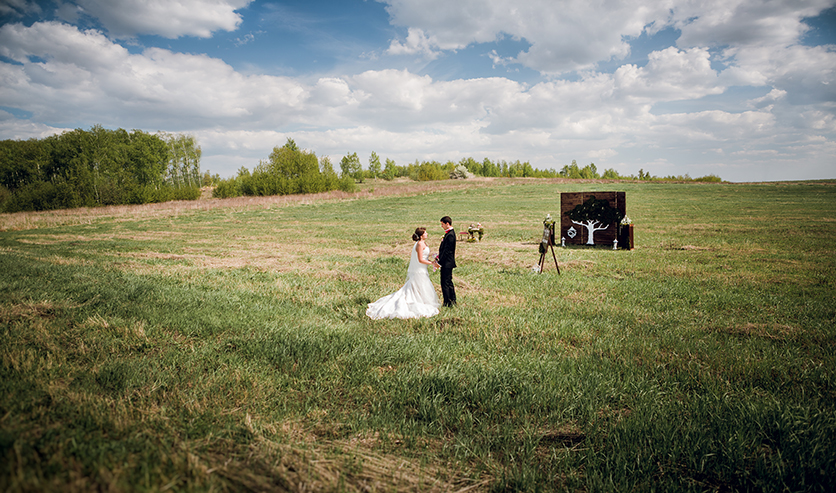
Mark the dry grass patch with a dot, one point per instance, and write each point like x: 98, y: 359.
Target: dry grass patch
x: 28, y: 311
x: 38, y: 345
x: 577, y: 264
x: 495, y: 298
x: 402, y: 250
x: 55, y: 239
x: 768, y: 331
x: 337, y: 274
x: 127, y: 213
x: 581, y: 298
x: 269, y: 257
x: 297, y: 459
x: 135, y: 330
x: 351, y: 466
x: 150, y: 235
x: 568, y: 435
x: 573, y: 345
x: 503, y: 255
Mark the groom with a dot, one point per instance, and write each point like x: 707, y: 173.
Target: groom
x: 447, y: 261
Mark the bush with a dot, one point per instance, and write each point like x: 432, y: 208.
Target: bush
x: 347, y: 184
x: 709, y: 179
x: 429, y: 172
x: 42, y: 196
x: 162, y: 194
x: 141, y: 194
x: 110, y: 191
x: 310, y: 183
x: 225, y: 189
x: 332, y: 182
x: 5, y: 195
x: 187, y: 193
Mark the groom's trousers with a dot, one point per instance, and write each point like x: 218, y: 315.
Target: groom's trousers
x: 448, y: 292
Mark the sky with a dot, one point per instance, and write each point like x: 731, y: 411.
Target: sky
x: 741, y: 89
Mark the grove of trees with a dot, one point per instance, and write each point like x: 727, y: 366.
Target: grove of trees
x: 288, y: 170
x: 87, y: 168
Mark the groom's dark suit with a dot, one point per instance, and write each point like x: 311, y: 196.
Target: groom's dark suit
x: 447, y: 261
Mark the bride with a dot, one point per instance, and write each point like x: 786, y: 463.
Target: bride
x: 417, y: 297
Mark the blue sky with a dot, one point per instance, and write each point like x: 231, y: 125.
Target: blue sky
x: 744, y: 89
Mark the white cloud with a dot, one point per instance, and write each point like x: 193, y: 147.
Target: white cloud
x: 670, y: 75
x: 166, y: 18
x: 417, y: 43
x: 84, y: 75
x: 743, y: 22
x: 332, y: 92
x: 65, y: 75
x: 247, y: 38
x: 807, y: 73
x: 564, y: 36
x: 721, y: 44
x: 685, y: 129
x: 579, y: 34
x: 769, y: 100
x: 601, y: 154
x: 15, y: 129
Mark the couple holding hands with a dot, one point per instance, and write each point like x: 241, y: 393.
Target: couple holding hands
x: 417, y: 297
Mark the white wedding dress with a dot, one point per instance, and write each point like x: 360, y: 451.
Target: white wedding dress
x: 415, y: 299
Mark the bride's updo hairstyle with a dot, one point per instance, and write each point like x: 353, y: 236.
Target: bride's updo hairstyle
x: 419, y: 232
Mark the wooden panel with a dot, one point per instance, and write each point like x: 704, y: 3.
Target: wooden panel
x: 569, y: 201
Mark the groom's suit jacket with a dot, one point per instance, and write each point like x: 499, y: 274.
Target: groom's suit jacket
x: 447, y: 250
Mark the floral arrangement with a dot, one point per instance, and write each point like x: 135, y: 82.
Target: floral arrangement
x: 548, y: 233
x: 624, y: 223
x: 624, y: 228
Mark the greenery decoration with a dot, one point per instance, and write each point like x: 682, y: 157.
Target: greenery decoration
x: 476, y: 231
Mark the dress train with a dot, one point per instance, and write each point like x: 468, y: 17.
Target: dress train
x: 417, y: 297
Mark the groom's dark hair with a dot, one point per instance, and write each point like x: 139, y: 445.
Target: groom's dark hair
x: 447, y: 220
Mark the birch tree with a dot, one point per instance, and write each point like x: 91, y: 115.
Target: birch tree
x: 184, y: 160
x: 350, y: 166
x: 374, y: 165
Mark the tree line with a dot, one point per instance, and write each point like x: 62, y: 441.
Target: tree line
x: 590, y: 172
x: 87, y: 168
x: 433, y: 170
x: 289, y: 170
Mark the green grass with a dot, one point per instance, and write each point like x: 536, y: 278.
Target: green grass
x: 228, y: 348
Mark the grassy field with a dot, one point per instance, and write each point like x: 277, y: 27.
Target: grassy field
x: 223, y: 345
